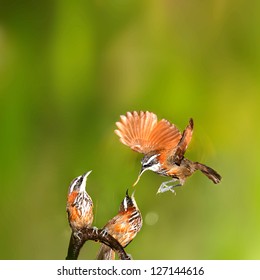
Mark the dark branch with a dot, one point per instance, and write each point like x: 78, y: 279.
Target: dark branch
x: 75, y: 246
x: 78, y: 239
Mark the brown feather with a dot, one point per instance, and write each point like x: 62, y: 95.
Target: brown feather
x: 178, y: 153
x: 143, y: 133
x: 165, y: 135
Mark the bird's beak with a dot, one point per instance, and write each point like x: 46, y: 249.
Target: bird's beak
x: 83, y: 184
x: 139, y: 176
x: 87, y: 173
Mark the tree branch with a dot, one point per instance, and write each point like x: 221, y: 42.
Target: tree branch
x: 78, y: 239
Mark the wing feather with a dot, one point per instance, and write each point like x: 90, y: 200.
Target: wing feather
x: 165, y: 135
x: 183, y: 144
x: 143, y: 133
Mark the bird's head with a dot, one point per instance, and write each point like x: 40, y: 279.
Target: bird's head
x: 128, y: 202
x: 79, y: 183
x: 149, y: 162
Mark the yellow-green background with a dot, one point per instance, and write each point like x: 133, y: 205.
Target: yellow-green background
x: 68, y: 69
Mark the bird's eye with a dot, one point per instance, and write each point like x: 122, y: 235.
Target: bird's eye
x: 79, y: 181
x: 148, y: 164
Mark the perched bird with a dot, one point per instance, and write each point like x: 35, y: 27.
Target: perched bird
x: 163, y: 146
x: 123, y: 227
x: 79, y: 205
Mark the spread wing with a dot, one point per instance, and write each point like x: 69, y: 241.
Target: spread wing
x: 143, y: 133
x: 183, y: 144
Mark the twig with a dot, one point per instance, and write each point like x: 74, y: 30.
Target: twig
x: 78, y: 239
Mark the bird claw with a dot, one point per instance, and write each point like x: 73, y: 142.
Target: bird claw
x: 77, y: 234
x: 164, y: 187
x: 95, y: 230
x: 104, y: 232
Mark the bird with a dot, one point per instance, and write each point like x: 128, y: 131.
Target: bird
x: 163, y: 146
x: 123, y: 227
x: 79, y: 205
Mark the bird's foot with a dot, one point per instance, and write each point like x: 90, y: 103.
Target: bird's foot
x: 104, y: 232
x: 165, y: 187
x: 95, y: 230
x: 77, y: 234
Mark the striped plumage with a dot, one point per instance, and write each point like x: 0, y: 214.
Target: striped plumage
x: 79, y: 204
x: 123, y: 227
x: 163, y: 146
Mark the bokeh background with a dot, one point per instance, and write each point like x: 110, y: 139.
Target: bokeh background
x: 68, y: 69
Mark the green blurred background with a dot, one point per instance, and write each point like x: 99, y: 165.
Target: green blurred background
x: 68, y: 69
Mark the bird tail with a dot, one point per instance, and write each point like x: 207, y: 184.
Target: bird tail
x: 105, y: 253
x: 209, y: 172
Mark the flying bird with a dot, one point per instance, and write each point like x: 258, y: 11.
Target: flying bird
x: 163, y: 146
